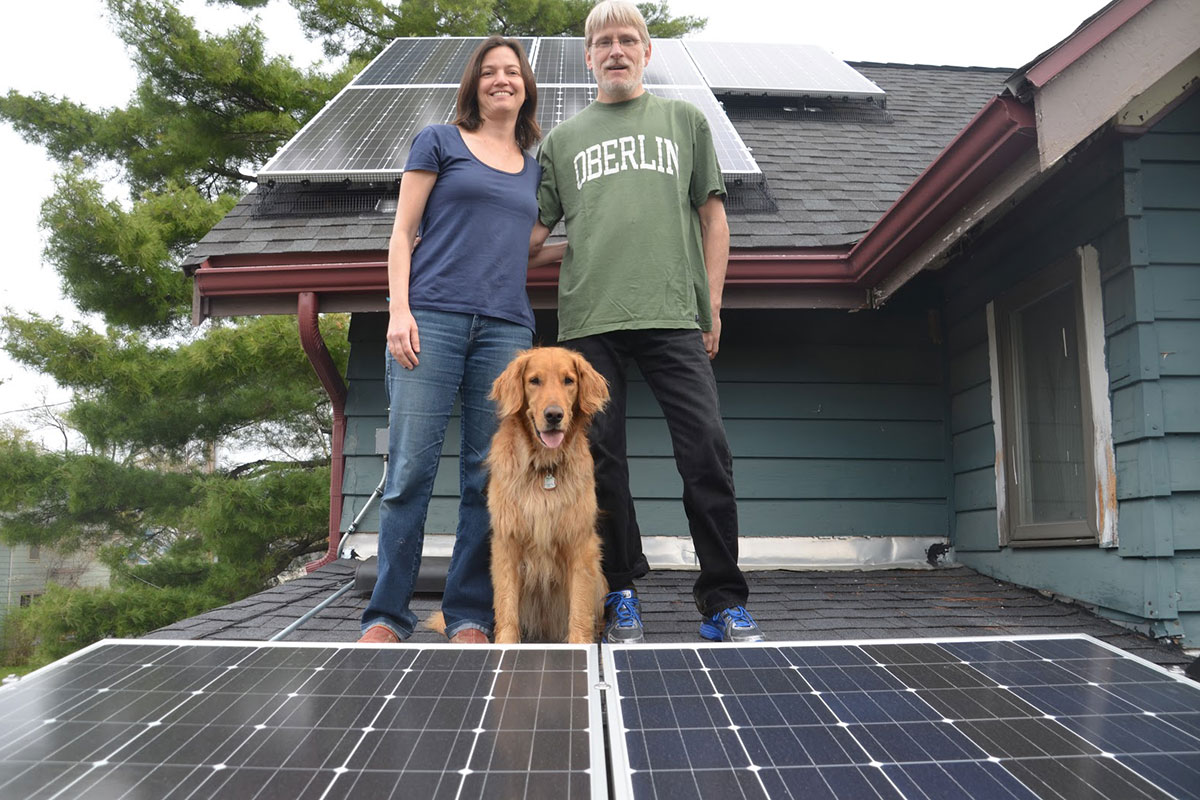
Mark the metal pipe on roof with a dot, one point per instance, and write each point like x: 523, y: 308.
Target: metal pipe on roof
x: 317, y: 609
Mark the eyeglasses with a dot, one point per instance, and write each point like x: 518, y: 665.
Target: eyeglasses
x: 606, y: 44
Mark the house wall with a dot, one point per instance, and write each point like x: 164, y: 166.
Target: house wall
x: 836, y: 422
x: 22, y: 573
x: 1138, y: 203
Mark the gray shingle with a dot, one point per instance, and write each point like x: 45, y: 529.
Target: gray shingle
x: 789, y: 605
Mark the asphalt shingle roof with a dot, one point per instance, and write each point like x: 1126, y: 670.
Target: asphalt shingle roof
x: 831, y: 180
x: 789, y: 605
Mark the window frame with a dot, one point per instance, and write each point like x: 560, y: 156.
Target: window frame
x: 1065, y: 273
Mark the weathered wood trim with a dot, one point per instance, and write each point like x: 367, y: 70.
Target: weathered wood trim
x: 1100, y: 81
x: 998, y: 428
x: 1093, y: 350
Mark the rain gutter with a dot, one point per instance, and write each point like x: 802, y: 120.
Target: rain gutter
x: 1000, y: 133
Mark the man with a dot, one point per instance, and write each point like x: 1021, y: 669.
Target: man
x: 637, y: 181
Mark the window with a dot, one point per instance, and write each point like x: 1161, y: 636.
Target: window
x: 27, y: 599
x: 35, y: 552
x: 1047, y: 491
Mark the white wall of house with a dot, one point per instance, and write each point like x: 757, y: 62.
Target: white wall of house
x: 25, y: 571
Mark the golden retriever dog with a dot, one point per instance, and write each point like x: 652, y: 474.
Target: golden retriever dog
x: 542, y: 497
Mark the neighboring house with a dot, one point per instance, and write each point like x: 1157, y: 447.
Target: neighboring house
x: 1019, y: 381
x: 25, y: 570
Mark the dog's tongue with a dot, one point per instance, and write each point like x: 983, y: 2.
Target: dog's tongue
x: 552, y: 439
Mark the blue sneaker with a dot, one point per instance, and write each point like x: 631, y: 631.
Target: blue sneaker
x: 623, y: 618
x: 731, y: 625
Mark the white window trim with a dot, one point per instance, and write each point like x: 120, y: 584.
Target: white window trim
x: 1105, y: 497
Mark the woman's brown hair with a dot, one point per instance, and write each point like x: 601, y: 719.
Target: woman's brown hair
x: 467, y: 116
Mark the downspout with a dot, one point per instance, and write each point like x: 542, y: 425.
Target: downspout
x: 335, y: 387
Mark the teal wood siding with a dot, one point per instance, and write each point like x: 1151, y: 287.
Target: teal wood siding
x: 836, y: 422
x: 1138, y: 204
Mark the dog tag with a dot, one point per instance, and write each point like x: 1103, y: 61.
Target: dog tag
x: 548, y: 481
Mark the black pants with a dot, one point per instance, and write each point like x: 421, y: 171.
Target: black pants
x: 678, y: 371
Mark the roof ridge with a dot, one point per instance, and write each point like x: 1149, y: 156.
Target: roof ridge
x: 945, y: 67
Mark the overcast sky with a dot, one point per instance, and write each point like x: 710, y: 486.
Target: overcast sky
x: 66, y: 47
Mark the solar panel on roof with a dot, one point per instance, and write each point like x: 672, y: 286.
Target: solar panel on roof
x: 423, y: 60
x: 559, y: 103
x: 560, y: 61
x: 1037, y: 717
x: 364, y: 133
x: 778, y: 69
x: 240, y: 720
x: 670, y: 65
x: 732, y: 153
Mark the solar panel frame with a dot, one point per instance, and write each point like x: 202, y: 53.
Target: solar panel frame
x: 780, y: 737
x: 788, y: 70
x: 168, y: 718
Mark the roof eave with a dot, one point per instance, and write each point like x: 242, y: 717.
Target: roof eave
x: 1099, y: 27
x: 991, y: 142
x: 232, y: 285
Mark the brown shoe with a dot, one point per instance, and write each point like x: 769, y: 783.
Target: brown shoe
x: 379, y: 634
x: 469, y: 636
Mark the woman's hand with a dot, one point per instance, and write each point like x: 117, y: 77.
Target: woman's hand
x: 403, y: 340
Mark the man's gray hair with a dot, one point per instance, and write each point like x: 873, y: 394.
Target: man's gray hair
x: 615, y: 12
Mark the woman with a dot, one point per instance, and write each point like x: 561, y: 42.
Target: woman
x: 458, y: 312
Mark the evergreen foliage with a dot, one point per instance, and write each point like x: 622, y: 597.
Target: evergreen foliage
x: 62, y: 621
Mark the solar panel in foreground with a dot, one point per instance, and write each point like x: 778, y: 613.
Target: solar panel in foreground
x: 1037, y: 717
x: 156, y: 719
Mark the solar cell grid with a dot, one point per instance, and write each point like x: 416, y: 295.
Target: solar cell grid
x: 901, y: 720
x: 424, y: 60
x: 560, y: 61
x: 559, y: 103
x: 305, y: 721
x: 365, y: 132
x: 841, y: 720
x: 670, y: 65
x: 362, y: 133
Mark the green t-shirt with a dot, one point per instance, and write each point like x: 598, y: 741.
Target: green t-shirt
x: 627, y: 178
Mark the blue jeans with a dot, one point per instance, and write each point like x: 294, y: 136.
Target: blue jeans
x: 459, y: 352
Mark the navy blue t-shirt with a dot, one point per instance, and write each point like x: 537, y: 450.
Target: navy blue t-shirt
x: 475, y: 231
